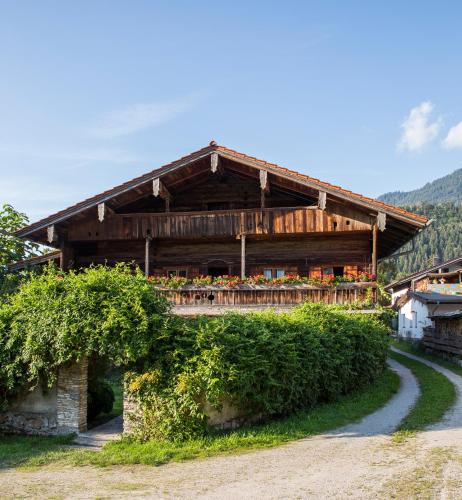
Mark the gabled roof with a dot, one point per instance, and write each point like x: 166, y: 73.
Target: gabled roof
x: 406, y: 281
x: 427, y: 298
x: 415, y: 220
x: 436, y: 298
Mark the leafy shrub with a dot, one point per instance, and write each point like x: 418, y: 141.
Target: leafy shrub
x: 100, y: 398
x: 263, y: 364
x: 58, y: 317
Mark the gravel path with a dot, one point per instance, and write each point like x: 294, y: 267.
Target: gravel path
x: 355, y: 460
x: 98, y: 436
x: 437, y: 434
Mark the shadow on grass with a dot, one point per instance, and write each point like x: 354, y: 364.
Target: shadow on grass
x: 15, y: 449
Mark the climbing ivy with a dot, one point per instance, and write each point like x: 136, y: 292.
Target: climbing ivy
x: 58, y: 317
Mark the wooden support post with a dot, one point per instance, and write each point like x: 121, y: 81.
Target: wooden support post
x: 66, y: 259
x: 242, y: 256
x: 147, y: 253
x: 264, y: 186
x: 322, y: 198
x: 159, y: 189
x: 374, y: 249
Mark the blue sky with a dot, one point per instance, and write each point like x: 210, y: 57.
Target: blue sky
x: 366, y: 95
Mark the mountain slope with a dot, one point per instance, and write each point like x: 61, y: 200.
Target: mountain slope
x: 444, y: 189
x: 442, y: 238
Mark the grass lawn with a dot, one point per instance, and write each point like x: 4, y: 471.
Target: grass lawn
x: 438, y: 394
x: 31, y: 452
x: 413, y: 349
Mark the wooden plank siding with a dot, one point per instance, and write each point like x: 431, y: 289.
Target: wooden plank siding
x: 271, y: 296
x: 221, y: 223
x: 304, y: 254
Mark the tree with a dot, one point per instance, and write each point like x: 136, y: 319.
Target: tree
x: 12, y: 248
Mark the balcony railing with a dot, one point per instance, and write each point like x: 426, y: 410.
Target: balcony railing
x: 220, y: 223
x: 271, y: 295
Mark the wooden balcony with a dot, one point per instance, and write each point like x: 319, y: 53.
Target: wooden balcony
x: 220, y: 223
x: 269, y: 296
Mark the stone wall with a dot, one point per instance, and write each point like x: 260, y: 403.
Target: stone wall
x: 71, y: 398
x: 33, y: 411
x: 59, y: 410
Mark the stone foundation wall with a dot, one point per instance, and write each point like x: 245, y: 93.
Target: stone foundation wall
x: 39, y: 424
x: 229, y: 417
x: 59, y: 410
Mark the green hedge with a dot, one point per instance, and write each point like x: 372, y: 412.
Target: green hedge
x: 264, y: 364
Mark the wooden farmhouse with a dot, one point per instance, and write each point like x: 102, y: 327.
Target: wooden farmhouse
x: 219, y: 212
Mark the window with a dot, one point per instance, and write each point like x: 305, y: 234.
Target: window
x: 339, y: 271
x: 414, y: 319
x: 182, y: 272
x: 403, y: 321
x: 268, y: 273
x: 273, y: 273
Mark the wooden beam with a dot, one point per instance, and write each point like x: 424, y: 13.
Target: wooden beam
x: 242, y: 256
x: 104, y: 210
x: 263, y: 180
x: 382, y: 221
x: 214, y: 162
x: 52, y: 235
x: 322, y: 198
x: 156, y: 187
x: 159, y: 189
x: 374, y: 249
x: 264, y: 186
x: 147, y: 252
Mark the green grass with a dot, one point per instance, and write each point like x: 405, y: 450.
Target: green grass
x: 438, y: 394
x: 411, y: 348
x: 18, y: 449
x: 320, y: 419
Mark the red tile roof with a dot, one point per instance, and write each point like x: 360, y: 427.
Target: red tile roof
x: 99, y: 198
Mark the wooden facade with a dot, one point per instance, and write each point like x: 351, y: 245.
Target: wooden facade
x: 218, y: 212
x: 445, y: 336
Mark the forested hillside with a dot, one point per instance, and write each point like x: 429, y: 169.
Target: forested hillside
x: 445, y: 189
x: 442, y: 238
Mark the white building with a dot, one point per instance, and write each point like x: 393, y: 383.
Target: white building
x: 435, y: 290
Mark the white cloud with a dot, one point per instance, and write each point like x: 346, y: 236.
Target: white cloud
x: 454, y: 137
x: 417, y: 129
x: 141, y: 116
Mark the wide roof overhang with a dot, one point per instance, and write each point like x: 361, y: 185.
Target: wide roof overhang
x: 401, y: 224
